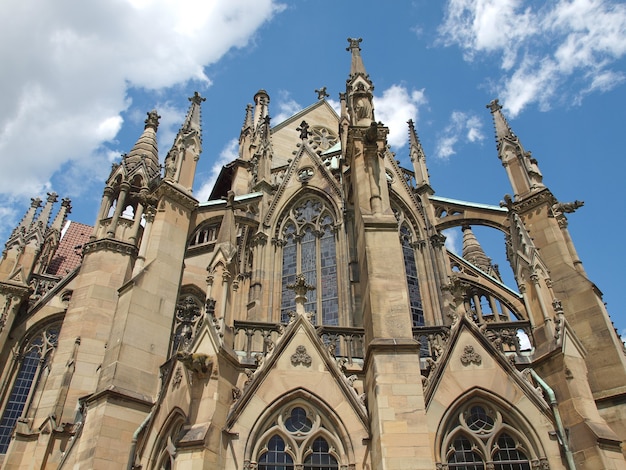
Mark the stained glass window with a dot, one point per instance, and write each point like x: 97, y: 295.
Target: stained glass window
x: 309, y: 248
x: 410, y: 268
x: 28, y: 372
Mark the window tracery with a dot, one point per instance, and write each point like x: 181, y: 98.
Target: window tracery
x: 298, y: 437
x: 481, y: 436
x: 309, y: 247
x: 323, y: 137
x: 187, y: 320
x: 29, y: 365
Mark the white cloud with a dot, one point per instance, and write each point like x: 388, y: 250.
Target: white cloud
x: 336, y: 105
x: 394, y: 108
x: 573, y: 43
x: 453, y: 240
x: 286, y: 106
x: 463, y: 127
x: 67, y: 68
x: 229, y: 153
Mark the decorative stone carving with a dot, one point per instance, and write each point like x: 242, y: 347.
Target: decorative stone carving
x: 352, y: 379
x: 304, y: 130
x: 188, y: 319
x: 301, y: 357
x: 567, y: 207
x: 470, y: 356
x: 201, y: 364
x: 177, y: 378
x: 305, y: 174
x: 249, y: 374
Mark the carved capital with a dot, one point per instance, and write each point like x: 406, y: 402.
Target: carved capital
x: 438, y: 240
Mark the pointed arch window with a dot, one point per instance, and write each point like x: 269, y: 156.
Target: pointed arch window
x: 481, y: 436
x: 408, y: 242
x: 410, y: 269
x: 29, y: 366
x: 275, y: 456
x: 298, y: 437
x: 309, y: 247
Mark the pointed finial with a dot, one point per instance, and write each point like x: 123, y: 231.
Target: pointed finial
x: 418, y: 158
x: 414, y: 141
x: 247, y: 121
x: 59, y: 220
x: 356, y: 66
x: 44, y: 215
x: 27, y: 220
x: 502, y: 126
x: 192, y: 120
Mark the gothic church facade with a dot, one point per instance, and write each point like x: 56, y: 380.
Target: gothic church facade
x: 306, y: 316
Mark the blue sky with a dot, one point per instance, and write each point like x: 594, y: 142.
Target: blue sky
x: 78, y: 78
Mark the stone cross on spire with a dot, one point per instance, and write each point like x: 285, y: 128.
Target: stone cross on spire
x: 321, y: 93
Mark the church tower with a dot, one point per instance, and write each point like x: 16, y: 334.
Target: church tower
x: 307, y: 315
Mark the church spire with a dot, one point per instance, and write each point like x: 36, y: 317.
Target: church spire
x: 44, y: 215
x: 356, y: 66
x: 503, y: 130
x: 261, y: 108
x: 418, y: 158
x: 193, y: 120
x: 245, y: 136
x: 145, y: 150
x: 59, y: 220
x: 27, y: 220
x: 181, y: 160
x: 359, y: 89
x: 473, y: 251
x: 521, y: 167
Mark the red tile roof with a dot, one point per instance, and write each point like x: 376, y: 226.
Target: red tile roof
x: 68, y: 255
